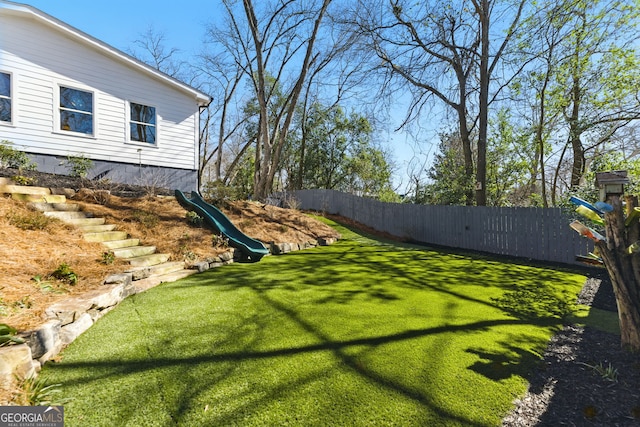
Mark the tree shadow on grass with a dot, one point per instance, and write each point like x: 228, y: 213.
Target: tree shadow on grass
x: 309, y: 271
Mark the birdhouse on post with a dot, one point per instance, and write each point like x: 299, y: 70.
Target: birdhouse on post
x: 611, y: 183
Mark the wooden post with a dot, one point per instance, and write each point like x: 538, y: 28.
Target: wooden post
x: 624, y: 268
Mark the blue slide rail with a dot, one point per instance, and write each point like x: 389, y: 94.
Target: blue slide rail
x: 252, y: 248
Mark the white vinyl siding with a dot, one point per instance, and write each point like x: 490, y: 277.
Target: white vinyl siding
x: 43, y: 59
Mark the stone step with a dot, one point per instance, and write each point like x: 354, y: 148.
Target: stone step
x: 105, y: 236
x: 48, y: 207
x: 6, y: 181
x: 148, y: 260
x: 24, y: 189
x: 115, y: 244
x: 45, y: 198
x: 68, y: 215
x: 133, y: 251
x: 148, y: 283
x: 81, y: 222
x: 98, y: 228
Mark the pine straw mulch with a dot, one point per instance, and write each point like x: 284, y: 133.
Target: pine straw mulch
x: 29, y: 257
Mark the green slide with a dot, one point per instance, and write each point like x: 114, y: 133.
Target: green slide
x: 252, y: 248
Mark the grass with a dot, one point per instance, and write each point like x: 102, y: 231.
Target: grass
x: 364, y: 332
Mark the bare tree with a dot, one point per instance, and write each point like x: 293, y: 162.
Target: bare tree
x: 449, y: 52
x: 151, y: 49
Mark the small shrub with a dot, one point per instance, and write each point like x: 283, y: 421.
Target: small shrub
x: 44, y: 285
x: 14, y: 159
x: 219, y: 241
x: 79, y: 166
x: 608, y: 373
x: 153, y: 180
x: 220, y: 194
x: 23, y: 180
x: 23, y: 303
x: 30, y: 220
x: 8, y: 335
x: 283, y: 228
x: 194, y: 219
x: 292, y: 203
x: 34, y: 391
x: 65, y: 274
x: 108, y: 257
x: 146, y: 219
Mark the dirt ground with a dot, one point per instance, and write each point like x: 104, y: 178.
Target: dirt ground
x: 33, y: 247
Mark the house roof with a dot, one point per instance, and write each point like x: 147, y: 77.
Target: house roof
x: 9, y: 7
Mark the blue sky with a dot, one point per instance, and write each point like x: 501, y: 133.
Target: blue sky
x: 119, y: 23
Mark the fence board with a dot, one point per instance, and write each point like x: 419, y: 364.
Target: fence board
x: 534, y: 233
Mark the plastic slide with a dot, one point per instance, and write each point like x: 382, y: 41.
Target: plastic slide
x: 252, y: 248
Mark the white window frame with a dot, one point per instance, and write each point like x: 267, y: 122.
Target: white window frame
x: 129, y: 121
x: 11, y: 98
x: 58, y: 109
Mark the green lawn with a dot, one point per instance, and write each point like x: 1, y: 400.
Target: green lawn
x: 361, y: 333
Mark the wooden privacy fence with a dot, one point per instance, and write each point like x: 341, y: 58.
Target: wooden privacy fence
x: 535, y: 233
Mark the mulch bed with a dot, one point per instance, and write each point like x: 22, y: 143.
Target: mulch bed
x: 566, y: 390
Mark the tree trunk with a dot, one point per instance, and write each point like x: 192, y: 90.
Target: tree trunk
x: 624, y: 270
x: 483, y: 115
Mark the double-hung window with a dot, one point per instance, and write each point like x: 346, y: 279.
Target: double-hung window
x: 76, y: 110
x: 142, y: 123
x: 5, y: 98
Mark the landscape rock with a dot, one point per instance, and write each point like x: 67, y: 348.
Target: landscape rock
x: 140, y: 273
x: 326, y: 241
x: 116, y: 279
x: 73, y: 330
x: 226, y: 256
x: 202, y: 266
x: 69, y: 310
x: 45, y: 342
x: 16, y: 361
x: 107, y: 296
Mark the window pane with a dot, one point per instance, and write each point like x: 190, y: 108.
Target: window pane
x: 143, y: 113
x: 76, y: 122
x: 76, y: 99
x: 5, y: 110
x: 143, y: 133
x: 5, y: 85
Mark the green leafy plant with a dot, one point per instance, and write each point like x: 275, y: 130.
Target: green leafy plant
x: 8, y: 335
x: 15, y: 159
x: 219, y: 241
x: 146, y: 219
x: 46, y: 286
x: 34, y: 391
x: 22, y: 180
x: 30, y: 220
x: 23, y: 303
x: 65, y: 274
x: 218, y: 193
x: 608, y: 373
x: 193, y: 218
x: 108, y: 257
x: 79, y: 166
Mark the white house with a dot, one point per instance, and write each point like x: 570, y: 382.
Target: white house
x: 64, y: 93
